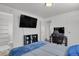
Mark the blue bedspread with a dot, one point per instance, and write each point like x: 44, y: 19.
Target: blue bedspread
x: 73, y: 51
x: 25, y: 49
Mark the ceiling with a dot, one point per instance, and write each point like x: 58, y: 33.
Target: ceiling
x: 41, y: 10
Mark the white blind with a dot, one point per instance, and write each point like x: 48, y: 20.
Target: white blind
x: 5, y: 28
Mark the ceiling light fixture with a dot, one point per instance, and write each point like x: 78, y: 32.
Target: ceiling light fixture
x: 48, y: 4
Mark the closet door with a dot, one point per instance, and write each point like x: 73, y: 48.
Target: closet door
x: 6, y: 30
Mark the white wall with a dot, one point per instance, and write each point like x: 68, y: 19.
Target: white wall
x: 19, y: 32
x: 43, y: 30
x: 47, y: 31
x: 71, y: 23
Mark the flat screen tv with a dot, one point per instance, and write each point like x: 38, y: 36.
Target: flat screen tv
x: 60, y: 29
x: 27, y: 22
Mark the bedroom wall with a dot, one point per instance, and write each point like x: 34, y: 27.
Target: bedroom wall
x: 70, y: 21
x: 47, y: 29
x: 19, y: 32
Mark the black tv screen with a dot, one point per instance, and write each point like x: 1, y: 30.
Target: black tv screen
x: 28, y: 22
x: 60, y: 29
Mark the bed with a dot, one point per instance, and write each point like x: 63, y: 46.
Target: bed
x: 41, y: 48
x: 73, y: 50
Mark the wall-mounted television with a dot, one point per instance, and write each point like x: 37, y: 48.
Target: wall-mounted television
x: 60, y: 29
x: 27, y: 22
